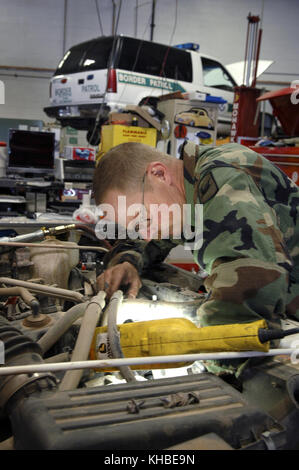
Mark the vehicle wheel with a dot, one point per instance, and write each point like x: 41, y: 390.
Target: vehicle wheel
x: 93, y: 136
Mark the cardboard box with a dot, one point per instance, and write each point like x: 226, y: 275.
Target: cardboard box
x: 71, y: 137
x: 142, y: 113
x: 189, y: 120
x: 195, y: 96
x: 113, y: 135
x: 79, y: 153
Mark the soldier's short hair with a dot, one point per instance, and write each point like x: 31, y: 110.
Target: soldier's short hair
x: 122, y: 168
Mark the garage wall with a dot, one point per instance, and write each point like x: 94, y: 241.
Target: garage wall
x: 31, y: 35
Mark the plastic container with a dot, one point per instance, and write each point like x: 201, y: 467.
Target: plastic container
x: 54, y: 265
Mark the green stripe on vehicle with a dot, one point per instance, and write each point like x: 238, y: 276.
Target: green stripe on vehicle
x: 164, y: 84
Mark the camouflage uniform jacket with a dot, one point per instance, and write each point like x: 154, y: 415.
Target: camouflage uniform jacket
x: 250, y: 235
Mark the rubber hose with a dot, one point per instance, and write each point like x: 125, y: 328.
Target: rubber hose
x: 28, y: 298
x: 44, y: 289
x: 81, y: 351
x: 61, y: 326
x: 113, y: 335
x: 62, y: 357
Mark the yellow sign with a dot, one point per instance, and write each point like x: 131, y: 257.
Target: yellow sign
x: 113, y: 135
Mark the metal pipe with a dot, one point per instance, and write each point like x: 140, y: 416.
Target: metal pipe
x: 249, y: 56
x: 273, y: 82
x: 263, y: 118
x: 26, y: 237
x: 99, y: 17
x: 26, y: 69
x: 64, y: 26
x: 83, y: 343
x: 44, y: 289
x: 115, y: 363
x: 61, y: 326
x: 257, y: 58
x: 118, y: 16
x: 136, y: 19
x: 113, y: 17
x: 246, y: 54
x: 18, y: 75
x: 152, y: 25
x: 45, y: 245
x: 40, y: 234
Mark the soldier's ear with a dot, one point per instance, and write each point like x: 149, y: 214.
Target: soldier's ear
x: 157, y: 170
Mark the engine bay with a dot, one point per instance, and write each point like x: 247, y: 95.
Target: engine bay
x: 51, y: 314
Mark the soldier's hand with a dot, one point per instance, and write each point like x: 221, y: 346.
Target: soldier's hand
x: 120, y: 274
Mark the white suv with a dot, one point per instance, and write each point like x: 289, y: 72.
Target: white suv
x: 107, y: 73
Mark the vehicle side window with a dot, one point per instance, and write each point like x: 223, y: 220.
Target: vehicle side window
x: 215, y: 75
x: 178, y: 65
x: 140, y: 56
x: 155, y: 59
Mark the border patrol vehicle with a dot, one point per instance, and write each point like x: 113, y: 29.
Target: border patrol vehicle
x: 107, y: 73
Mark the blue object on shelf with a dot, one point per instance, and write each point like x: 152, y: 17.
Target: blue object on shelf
x: 215, y: 99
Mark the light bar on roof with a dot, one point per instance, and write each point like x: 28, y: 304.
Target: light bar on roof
x: 188, y: 45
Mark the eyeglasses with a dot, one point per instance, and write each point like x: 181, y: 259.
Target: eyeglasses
x: 144, y: 221
x: 143, y: 186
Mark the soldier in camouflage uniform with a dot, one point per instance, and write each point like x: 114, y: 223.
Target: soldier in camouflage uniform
x: 250, y: 244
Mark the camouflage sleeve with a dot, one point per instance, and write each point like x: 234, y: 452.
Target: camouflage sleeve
x: 243, y: 251
x: 140, y: 253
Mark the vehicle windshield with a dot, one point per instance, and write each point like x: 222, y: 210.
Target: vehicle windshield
x: 90, y: 55
x: 216, y: 76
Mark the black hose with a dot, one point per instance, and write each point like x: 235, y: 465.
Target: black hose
x: 90, y: 231
x: 267, y: 335
x: 35, y: 306
x: 114, y: 338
